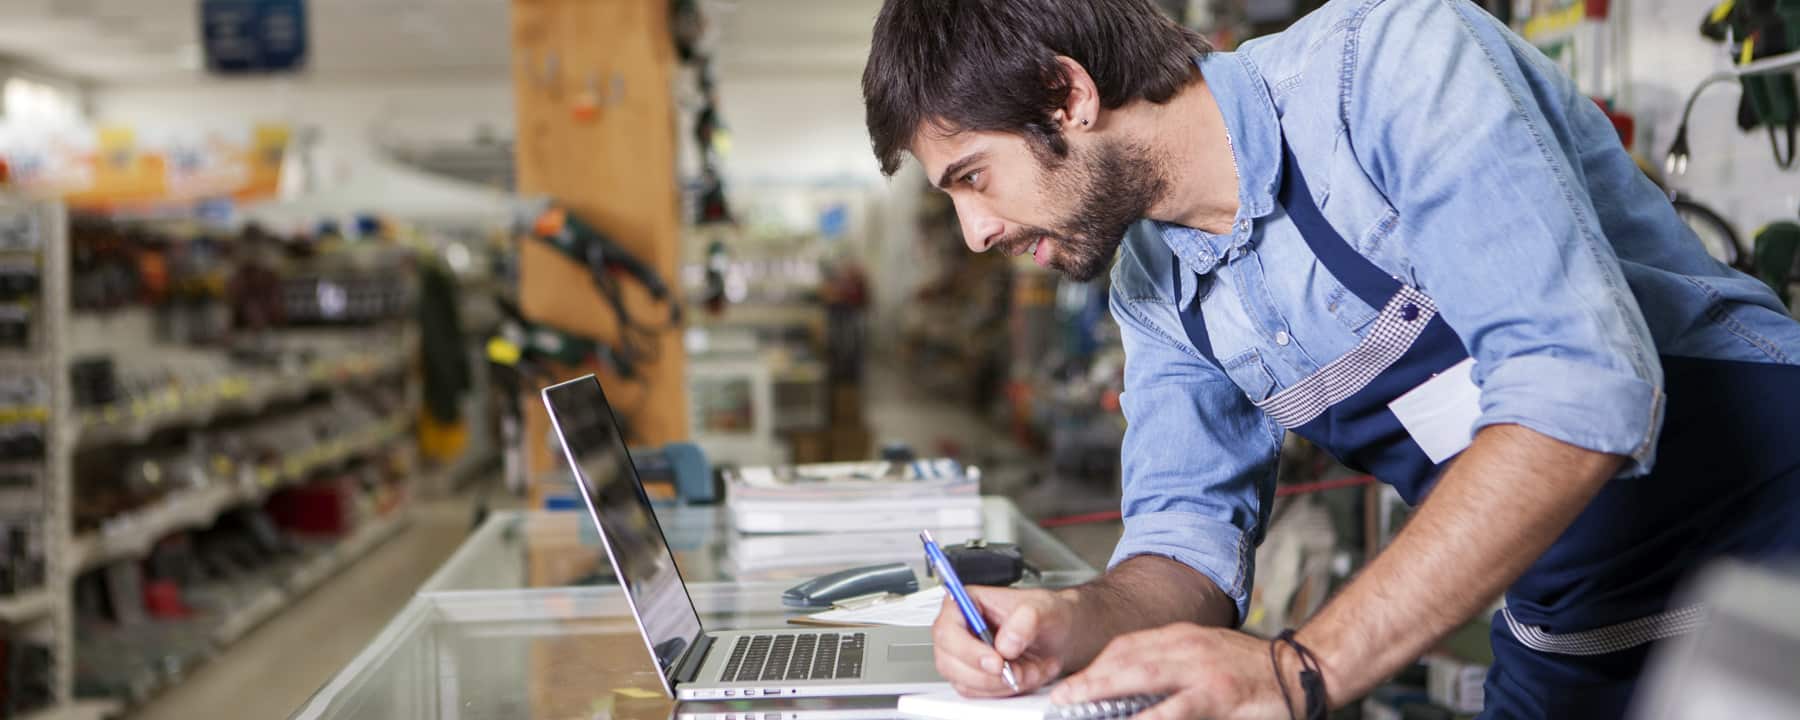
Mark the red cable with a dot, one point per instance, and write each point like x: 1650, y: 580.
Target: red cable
x: 1282, y: 491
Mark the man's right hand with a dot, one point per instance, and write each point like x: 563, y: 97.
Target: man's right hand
x: 1033, y: 629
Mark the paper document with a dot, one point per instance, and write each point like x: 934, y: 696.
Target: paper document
x: 1036, y: 706
x: 951, y: 706
x: 919, y: 609
x: 1441, y: 413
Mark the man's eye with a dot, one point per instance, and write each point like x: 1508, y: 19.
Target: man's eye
x: 970, y: 178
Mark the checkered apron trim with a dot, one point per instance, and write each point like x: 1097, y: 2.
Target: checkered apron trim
x: 1393, y: 333
x: 1612, y: 638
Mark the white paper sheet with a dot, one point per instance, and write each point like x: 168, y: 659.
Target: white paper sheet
x: 919, y: 609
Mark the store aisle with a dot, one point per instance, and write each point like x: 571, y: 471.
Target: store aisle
x: 897, y: 411
x: 276, y: 667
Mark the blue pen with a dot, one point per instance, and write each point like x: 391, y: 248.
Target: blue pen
x: 954, y: 586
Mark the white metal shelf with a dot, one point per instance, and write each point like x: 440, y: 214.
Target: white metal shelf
x: 30, y: 605
x: 134, y: 534
x: 78, y: 710
x: 135, y: 421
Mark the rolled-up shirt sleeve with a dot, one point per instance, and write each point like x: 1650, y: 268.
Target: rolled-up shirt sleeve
x: 1477, y: 144
x: 1198, y: 461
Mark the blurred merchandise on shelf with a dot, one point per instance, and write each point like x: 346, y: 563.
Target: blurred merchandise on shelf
x: 846, y: 294
x: 444, y: 361
x: 27, y: 676
x: 254, y: 456
x: 953, y: 335
x: 142, y: 624
x: 21, y: 274
x: 202, y: 284
x: 24, y: 414
x: 22, y: 562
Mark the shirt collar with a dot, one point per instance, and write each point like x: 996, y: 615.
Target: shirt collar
x: 1253, y: 133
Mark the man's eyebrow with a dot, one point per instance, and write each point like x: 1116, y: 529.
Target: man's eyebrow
x: 956, y: 168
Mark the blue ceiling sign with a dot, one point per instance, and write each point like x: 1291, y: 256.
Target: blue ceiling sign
x: 253, y: 36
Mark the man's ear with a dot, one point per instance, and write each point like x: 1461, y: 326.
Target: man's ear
x: 1081, y: 109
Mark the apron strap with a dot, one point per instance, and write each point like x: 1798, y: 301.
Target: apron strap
x: 1194, y: 322
x: 1356, y: 272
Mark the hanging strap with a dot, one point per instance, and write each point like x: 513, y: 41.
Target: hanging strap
x: 1357, y: 273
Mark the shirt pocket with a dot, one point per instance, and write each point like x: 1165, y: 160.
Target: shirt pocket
x: 1349, y: 310
x: 1247, y: 370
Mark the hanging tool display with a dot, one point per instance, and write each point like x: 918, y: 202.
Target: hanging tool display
x: 1777, y: 244
x: 1762, y: 30
x: 523, y: 346
x: 606, y: 260
x: 710, y: 135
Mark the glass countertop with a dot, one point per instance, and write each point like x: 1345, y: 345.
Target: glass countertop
x: 562, y: 549
x: 480, y: 643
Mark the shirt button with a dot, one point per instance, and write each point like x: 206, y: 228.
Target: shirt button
x: 1282, y: 339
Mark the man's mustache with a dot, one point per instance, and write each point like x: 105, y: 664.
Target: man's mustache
x: 1020, y: 240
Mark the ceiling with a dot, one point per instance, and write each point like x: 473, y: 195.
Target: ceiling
x: 137, y: 41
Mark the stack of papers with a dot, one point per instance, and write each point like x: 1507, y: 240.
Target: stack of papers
x: 854, y: 497
x: 785, y: 556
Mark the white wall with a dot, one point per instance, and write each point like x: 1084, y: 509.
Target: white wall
x: 349, y: 114
x: 791, y: 125
x: 1731, y: 171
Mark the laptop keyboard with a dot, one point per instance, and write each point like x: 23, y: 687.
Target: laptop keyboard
x: 809, y: 656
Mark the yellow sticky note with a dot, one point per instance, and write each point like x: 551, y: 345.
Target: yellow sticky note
x: 638, y: 693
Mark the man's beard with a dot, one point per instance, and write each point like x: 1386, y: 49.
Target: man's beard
x: 1112, y: 185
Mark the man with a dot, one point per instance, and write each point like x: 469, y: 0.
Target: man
x: 1399, y: 231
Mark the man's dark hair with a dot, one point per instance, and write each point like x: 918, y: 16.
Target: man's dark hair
x: 991, y: 65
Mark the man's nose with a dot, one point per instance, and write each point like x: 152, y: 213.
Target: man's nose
x: 980, y: 230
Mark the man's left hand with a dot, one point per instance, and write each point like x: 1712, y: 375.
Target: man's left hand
x: 1207, y: 672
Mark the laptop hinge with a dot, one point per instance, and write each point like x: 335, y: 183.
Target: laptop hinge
x: 688, y: 667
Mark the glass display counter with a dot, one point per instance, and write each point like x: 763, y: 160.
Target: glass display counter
x: 488, y: 638
x: 562, y: 549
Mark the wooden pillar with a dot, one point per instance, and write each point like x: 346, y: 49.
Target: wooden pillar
x: 596, y: 132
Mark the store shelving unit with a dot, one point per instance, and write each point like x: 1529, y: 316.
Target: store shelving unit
x: 26, y: 606
x: 36, y: 236
x: 134, y: 534
x: 59, y: 334
x: 78, y: 710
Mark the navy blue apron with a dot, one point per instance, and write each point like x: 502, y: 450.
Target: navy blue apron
x: 1578, y: 623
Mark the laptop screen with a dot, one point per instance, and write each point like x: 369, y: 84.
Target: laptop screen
x: 634, y: 541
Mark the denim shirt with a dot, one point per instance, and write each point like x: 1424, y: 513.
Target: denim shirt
x: 1462, y: 161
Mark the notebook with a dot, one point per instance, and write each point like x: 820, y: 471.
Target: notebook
x: 1036, y: 706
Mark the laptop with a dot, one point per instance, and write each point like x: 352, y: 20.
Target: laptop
x: 695, y: 663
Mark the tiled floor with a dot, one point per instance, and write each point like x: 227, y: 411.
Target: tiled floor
x: 273, y: 670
